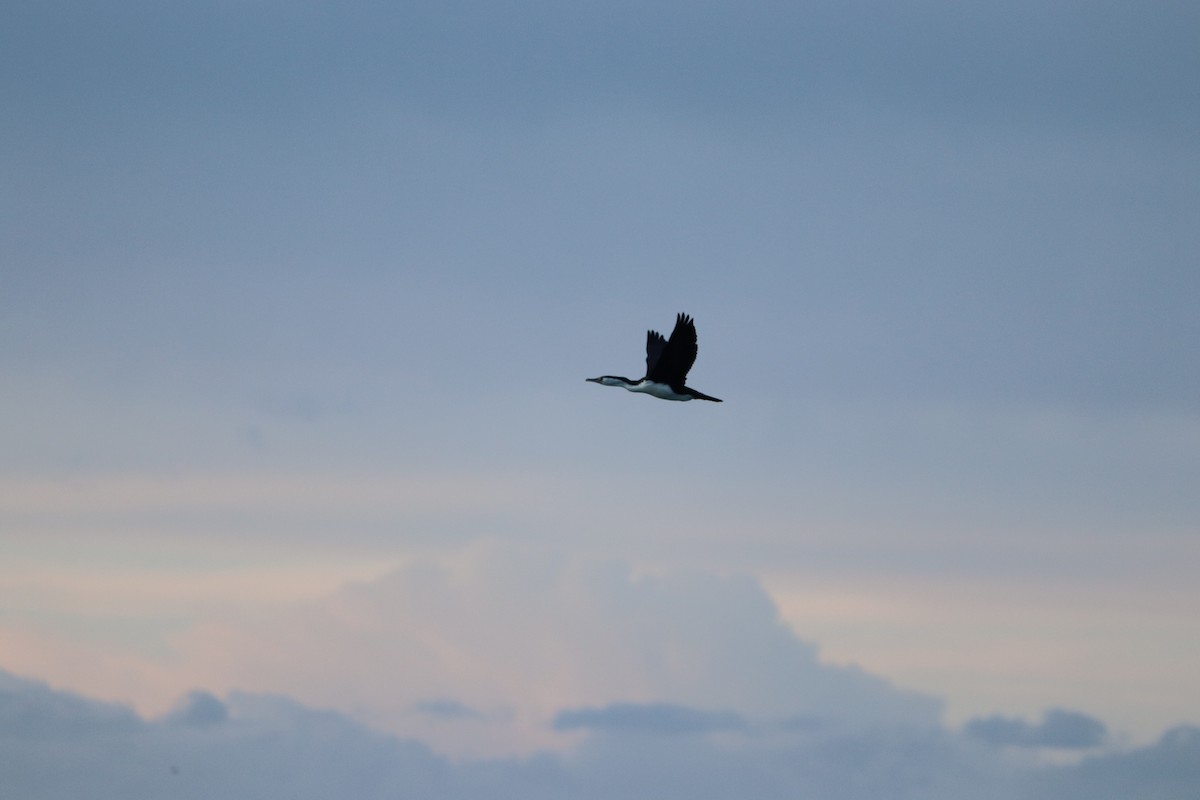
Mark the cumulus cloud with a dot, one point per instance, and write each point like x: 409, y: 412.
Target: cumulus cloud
x: 1058, y: 728
x: 495, y: 629
x: 270, y: 746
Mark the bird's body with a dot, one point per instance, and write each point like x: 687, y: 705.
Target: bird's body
x: 667, y: 364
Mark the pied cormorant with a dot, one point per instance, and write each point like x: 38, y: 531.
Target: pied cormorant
x: 667, y: 365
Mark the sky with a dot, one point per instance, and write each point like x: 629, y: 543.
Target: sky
x: 302, y: 491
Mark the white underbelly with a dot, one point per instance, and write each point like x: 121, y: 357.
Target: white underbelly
x: 659, y: 390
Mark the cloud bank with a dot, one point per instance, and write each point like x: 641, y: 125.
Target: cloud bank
x: 60, y: 746
x: 500, y: 641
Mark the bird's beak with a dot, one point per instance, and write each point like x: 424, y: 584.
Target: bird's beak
x: 592, y: 380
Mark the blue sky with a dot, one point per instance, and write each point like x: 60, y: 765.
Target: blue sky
x: 298, y: 300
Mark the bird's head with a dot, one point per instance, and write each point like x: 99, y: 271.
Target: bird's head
x: 611, y: 380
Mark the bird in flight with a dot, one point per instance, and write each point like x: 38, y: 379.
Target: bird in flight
x: 667, y: 365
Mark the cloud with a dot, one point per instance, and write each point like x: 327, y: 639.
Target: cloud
x: 497, y: 628
x: 657, y: 718
x: 1059, y: 728
x: 33, y: 710
x: 270, y: 746
x: 267, y: 747
x: 1169, y: 768
x: 199, y: 709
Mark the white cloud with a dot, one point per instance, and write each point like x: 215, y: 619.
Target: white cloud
x: 517, y: 637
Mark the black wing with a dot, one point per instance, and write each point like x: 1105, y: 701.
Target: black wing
x: 677, y: 355
x: 654, y: 347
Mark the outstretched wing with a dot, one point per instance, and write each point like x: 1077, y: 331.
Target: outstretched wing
x: 654, y: 347
x: 677, y: 355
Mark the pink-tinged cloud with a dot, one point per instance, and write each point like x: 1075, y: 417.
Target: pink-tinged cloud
x: 518, y: 637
